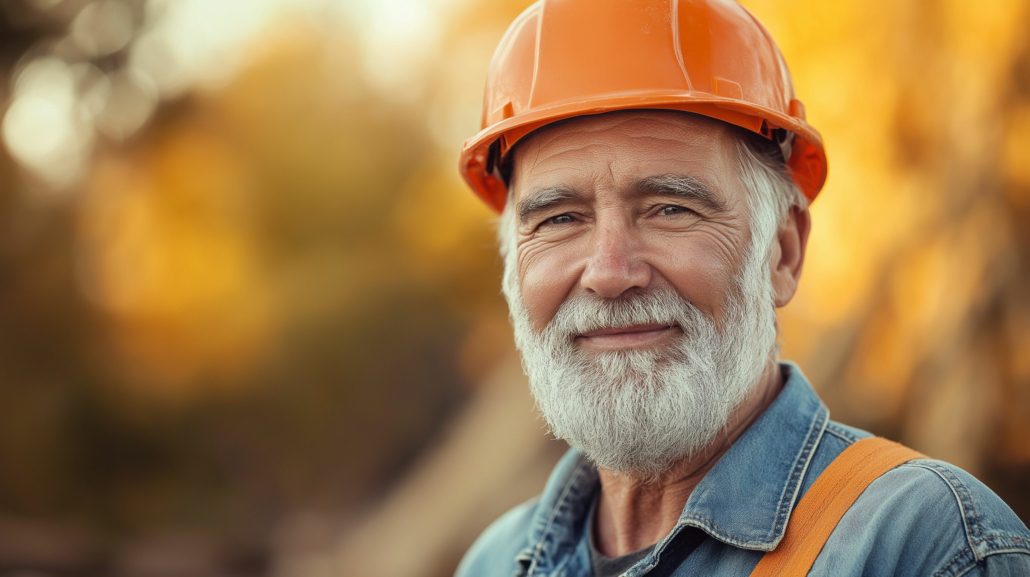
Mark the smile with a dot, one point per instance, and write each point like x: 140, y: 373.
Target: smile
x: 631, y: 337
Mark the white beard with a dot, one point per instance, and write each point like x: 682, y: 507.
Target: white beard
x: 640, y: 411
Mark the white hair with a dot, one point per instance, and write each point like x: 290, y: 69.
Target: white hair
x: 771, y: 192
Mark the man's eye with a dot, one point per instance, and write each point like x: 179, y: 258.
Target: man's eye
x: 672, y: 209
x: 559, y: 219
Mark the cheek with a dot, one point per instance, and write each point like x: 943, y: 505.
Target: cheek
x: 700, y: 272
x: 547, y: 276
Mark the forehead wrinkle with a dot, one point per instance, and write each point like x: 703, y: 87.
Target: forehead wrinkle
x: 560, y: 148
x: 541, y: 154
x: 587, y: 149
x: 646, y: 125
x: 538, y: 164
x: 659, y: 125
x: 648, y: 121
x: 541, y: 163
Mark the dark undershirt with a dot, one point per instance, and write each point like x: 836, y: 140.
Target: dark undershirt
x: 673, y: 555
x: 605, y: 566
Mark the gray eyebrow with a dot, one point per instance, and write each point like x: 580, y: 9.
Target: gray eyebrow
x: 682, y: 186
x: 543, y: 199
x: 675, y: 185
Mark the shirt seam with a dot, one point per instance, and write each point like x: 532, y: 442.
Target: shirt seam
x: 538, y: 549
x: 970, y: 523
x: 812, y: 441
x: 959, y: 564
x: 837, y: 431
x: 956, y: 567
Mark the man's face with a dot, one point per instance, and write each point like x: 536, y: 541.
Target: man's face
x: 605, y: 215
x: 641, y: 307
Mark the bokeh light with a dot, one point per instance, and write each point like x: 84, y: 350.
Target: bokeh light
x: 251, y: 315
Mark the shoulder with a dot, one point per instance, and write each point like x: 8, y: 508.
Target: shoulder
x: 494, y: 552
x: 926, y: 517
x: 953, y: 505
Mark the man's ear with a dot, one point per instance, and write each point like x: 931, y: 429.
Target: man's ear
x: 788, y: 254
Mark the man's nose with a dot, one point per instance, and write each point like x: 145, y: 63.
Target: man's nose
x: 616, y: 263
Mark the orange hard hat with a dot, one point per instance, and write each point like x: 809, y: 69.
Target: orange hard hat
x: 565, y: 58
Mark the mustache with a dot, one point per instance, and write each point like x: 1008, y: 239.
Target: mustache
x: 586, y: 312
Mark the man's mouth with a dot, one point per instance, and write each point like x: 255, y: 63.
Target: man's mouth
x: 628, y: 337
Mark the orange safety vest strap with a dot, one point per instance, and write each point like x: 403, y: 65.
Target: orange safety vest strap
x: 822, y: 507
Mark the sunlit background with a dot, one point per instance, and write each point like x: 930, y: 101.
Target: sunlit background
x: 250, y: 321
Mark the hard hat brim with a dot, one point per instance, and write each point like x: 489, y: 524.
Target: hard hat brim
x: 479, y: 157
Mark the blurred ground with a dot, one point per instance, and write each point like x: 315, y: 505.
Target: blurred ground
x: 250, y: 321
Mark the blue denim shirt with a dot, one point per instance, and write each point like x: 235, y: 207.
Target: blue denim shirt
x: 923, y: 518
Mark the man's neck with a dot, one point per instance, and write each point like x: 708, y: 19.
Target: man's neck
x: 633, y: 513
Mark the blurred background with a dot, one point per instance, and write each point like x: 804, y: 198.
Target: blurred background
x: 250, y: 321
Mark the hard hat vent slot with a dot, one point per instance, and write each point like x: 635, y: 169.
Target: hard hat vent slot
x: 492, y: 157
x: 785, y: 140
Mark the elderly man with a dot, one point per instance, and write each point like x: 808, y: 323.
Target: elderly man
x: 654, y: 169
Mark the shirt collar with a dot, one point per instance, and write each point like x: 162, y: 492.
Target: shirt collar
x: 748, y: 495
x: 744, y: 501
